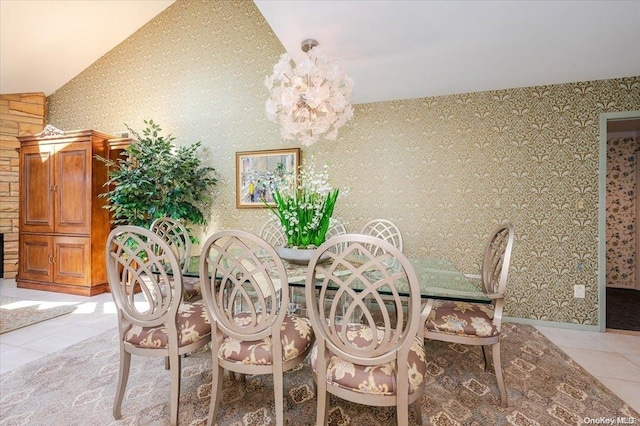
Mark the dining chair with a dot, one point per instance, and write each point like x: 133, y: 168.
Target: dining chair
x: 336, y: 227
x: 385, y: 230
x: 480, y: 324
x: 252, y: 334
x: 176, y: 235
x: 369, y: 349
x: 273, y: 232
x: 152, y: 319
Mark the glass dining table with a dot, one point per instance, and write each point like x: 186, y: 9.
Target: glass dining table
x: 438, y: 279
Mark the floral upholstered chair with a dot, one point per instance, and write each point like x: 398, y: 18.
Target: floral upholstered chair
x: 385, y: 230
x: 252, y: 334
x: 152, y: 319
x: 336, y: 227
x: 478, y: 323
x: 273, y: 232
x: 365, y: 313
x: 177, y: 236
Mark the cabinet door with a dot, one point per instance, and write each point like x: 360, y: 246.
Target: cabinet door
x: 36, y: 196
x: 72, y: 261
x: 36, y: 257
x: 73, y: 188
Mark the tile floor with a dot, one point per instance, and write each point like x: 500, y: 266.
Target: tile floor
x: 613, y: 358
x: 92, y: 316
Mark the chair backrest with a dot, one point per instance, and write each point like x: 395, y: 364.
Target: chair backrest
x: 273, y: 233
x: 336, y: 228
x: 140, y: 259
x: 177, y: 236
x: 385, y: 230
x: 357, y: 288
x: 249, y: 288
x: 497, y: 258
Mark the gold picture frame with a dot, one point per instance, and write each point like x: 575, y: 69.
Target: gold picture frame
x: 259, y: 172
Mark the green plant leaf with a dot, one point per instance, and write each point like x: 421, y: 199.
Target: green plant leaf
x: 154, y: 178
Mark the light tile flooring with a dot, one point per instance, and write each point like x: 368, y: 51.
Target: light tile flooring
x: 613, y: 358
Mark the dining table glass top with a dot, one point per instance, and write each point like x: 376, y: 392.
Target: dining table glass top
x: 438, y: 279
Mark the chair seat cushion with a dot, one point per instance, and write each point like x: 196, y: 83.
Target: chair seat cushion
x: 191, y: 289
x: 191, y: 286
x: 193, y: 325
x: 462, y: 318
x: 295, y: 334
x: 378, y: 379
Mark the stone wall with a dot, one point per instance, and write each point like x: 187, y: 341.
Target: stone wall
x: 20, y: 114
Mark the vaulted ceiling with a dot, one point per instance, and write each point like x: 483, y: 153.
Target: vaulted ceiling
x: 392, y: 49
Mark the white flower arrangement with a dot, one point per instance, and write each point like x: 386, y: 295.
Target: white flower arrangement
x: 305, y: 210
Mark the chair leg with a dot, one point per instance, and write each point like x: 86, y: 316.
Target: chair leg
x: 417, y: 408
x: 278, y: 389
x: 216, y: 392
x: 323, y: 397
x: 123, y: 378
x: 497, y: 367
x: 485, y: 355
x: 402, y: 404
x: 402, y: 414
x: 238, y: 376
x: 175, y: 362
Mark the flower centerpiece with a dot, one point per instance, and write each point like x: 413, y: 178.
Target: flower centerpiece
x: 305, y: 209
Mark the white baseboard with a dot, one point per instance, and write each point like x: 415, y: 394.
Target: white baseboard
x: 555, y: 324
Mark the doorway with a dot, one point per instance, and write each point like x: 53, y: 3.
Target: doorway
x: 619, y: 222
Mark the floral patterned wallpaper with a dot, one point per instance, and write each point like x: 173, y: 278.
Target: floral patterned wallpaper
x: 621, y: 211
x: 445, y: 169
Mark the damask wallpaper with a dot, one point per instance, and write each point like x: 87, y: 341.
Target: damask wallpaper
x: 445, y: 169
x: 621, y: 211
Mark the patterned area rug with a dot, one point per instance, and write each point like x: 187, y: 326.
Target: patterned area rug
x: 17, y: 313
x: 76, y: 387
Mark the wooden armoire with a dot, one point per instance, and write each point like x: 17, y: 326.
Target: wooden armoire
x: 63, y: 223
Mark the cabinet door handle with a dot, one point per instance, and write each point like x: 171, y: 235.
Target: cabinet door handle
x: 54, y: 188
x: 52, y: 259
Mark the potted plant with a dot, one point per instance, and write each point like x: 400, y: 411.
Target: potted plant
x: 305, y: 212
x: 154, y: 178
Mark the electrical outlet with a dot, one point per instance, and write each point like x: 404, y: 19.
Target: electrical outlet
x: 578, y: 291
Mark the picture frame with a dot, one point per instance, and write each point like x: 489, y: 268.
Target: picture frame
x: 258, y: 173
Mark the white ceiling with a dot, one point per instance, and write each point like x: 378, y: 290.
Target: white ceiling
x: 44, y: 44
x: 392, y: 49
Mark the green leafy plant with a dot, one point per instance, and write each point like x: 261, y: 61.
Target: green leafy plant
x: 305, y: 211
x: 154, y: 178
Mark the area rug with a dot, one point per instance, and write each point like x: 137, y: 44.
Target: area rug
x: 76, y: 387
x: 17, y: 313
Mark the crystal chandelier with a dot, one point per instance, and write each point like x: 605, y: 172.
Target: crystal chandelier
x: 309, y: 100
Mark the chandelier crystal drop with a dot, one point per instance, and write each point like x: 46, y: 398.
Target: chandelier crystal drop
x: 310, y: 100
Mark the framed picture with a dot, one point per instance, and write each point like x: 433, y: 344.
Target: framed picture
x: 258, y: 173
